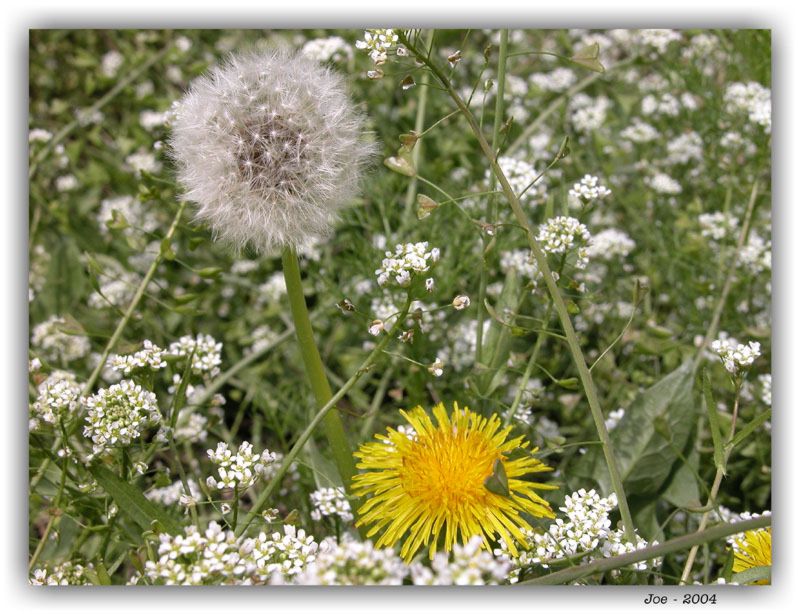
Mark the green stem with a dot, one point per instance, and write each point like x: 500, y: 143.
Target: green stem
x: 529, y: 368
x: 652, y: 552
x: 712, y: 495
x: 713, y: 327
x: 499, y: 111
x: 368, y: 363
x: 419, y: 125
x: 558, y: 301
x: 334, y: 429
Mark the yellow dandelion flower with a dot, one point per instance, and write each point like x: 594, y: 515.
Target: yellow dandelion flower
x: 753, y: 550
x: 447, y: 479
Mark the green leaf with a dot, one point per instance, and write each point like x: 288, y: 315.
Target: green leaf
x: 132, y: 502
x: 752, y: 575
x: 750, y: 427
x: 498, y: 481
x: 713, y: 422
x: 682, y: 490
x: 644, y: 456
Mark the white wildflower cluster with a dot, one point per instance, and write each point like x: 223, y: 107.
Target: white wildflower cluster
x: 562, y: 234
x: 191, y: 426
x: 66, y: 183
x: 588, y: 114
x: 143, y: 160
x: 39, y: 135
x: 520, y: 174
x: 659, y: 39
x: 617, y: 545
x: 614, y: 417
x: 588, y: 190
x: 735, y: 356
x: 119, y: 414
x: 751, y: 98
x: 174, y: 493
x: 459, y: 352
x: 765, y: 379
x: 263, y: 336
x: 663, y: 184
x: 556, y: 80
x: 521, y: 261
x: 58, y: 398
x: 206, y: 353
x: 271, y: 291
x: 217, y: 557
x: 685, y: 148
x: 610, y: 243
x: 328, y: 502
x: 667, y: 105
x: 111, y: 62
x: 352, y: 562
x: 585, y: 535
x: 64, y: 574
x: 471, y: 565
x: 330, y: 49
x: 522, y: 415
x: 378, y: 43
x: 150, y: 120
x: 150, y: 357
x: 240, y: 469
x: 639, y: 132
x: 56, y: 345
x: 756, y: 254
x: 129, y: 209
x: 718, y: 225
x: 407, y: 261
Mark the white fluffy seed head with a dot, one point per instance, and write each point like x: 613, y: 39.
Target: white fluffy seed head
x: 268, y: 145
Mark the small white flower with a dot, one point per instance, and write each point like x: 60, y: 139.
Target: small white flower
x: 436, y: 368
x: 376, y: 328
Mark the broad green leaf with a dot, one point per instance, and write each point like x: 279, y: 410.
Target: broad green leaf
x: 681, y: 489
x: 132, y: 502
x: 644, y: 456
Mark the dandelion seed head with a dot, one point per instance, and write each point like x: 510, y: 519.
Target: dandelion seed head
x: 268, y: 145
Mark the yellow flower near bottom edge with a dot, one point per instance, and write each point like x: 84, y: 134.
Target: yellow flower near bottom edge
x: 753, y: 550
x: 434, y: 482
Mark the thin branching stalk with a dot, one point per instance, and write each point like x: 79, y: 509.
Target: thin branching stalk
x: 713, y: 327
x: 558, y: 301
x: 499, y: 111
x: 712, y: 495
x: 419, y: 126
x: 368, y: 363
x: 315, y: 370
x: 683, y: 542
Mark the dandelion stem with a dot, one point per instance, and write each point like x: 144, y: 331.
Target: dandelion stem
x: 315, y: 370
x: 674, y: 545
x: 558, y: 301
x: 265, y: 494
